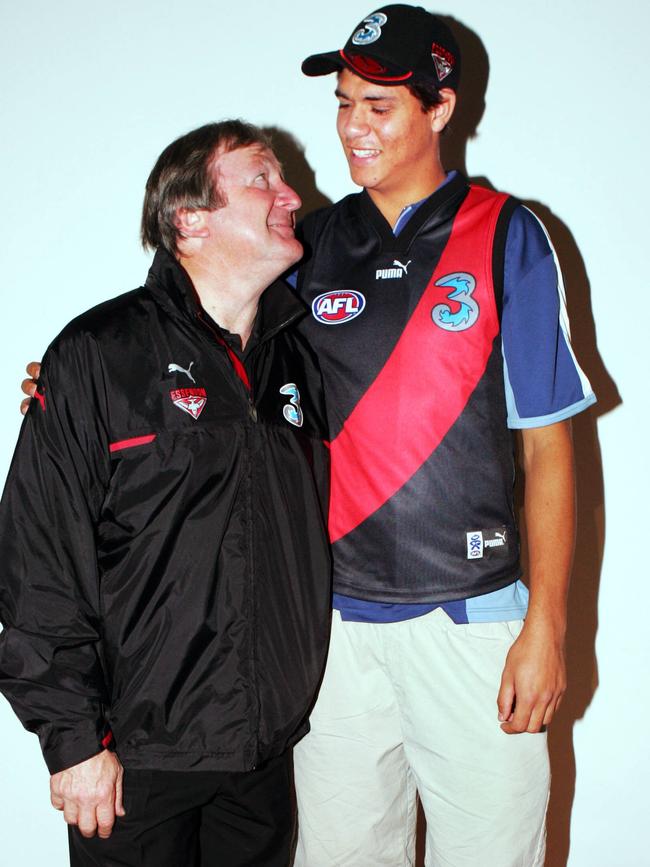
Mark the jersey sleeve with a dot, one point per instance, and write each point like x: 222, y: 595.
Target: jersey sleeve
x: 543, y: 380
x: 50, y: 668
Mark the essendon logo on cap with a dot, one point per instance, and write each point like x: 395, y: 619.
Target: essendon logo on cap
x: 333, y: 308
x: 190, y: 400
x: 443, y: 60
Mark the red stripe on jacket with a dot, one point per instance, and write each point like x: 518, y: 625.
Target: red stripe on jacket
x: 130, y: 443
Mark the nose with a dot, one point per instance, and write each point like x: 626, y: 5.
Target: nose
x: 287, y: 198
x: 353, y: 123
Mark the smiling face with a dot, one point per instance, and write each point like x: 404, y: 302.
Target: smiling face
x: 257, y: 221
x: 390, y: 143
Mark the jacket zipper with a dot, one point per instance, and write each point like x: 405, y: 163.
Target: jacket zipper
x: 238, y: 369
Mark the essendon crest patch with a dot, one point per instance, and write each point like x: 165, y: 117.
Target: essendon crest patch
x: 443, y: 61
x: 190, y: 400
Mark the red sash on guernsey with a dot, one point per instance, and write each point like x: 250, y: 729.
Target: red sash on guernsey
x: 426, y: 381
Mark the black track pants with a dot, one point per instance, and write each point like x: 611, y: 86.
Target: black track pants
x: 197, y: 819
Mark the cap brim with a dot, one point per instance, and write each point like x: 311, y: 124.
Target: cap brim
x: 322, y: 64
x: 364, y: 65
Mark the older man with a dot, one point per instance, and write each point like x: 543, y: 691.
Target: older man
x: 165, y: 580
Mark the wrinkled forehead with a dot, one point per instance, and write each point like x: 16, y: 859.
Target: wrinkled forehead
x: 241, y: 157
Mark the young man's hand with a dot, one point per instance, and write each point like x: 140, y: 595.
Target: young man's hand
x: 534, y: 680
x: 90, y: 794
x: 28, y: 385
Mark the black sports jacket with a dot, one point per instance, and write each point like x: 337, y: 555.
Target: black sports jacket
x: 165, y: 571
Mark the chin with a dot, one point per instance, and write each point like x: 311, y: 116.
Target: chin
x: 296, y: 247
x: 361, y: 177
x: 291, y: 254
x: 296, y: 256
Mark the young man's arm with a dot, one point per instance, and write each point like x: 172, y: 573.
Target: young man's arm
x: 534, y: 677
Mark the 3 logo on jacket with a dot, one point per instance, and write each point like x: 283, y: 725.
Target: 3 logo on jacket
x: 292, y: 411
x: 338, y: 306
x: 463, y: 311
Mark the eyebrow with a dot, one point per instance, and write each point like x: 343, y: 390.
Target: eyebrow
x: 370, y: 98
x: 266, y: 157
x: 269, y: 164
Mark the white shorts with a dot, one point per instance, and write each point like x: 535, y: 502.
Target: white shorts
x: 409, y: 708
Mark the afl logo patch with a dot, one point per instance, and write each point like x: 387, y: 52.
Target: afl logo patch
x: 334, y: 308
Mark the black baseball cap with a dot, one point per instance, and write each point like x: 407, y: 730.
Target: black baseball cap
x: 397, y: 44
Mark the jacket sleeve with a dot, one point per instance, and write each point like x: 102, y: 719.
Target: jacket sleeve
x: 50, y: 664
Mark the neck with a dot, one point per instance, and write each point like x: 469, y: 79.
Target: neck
x: 391, y: 202
x: 229, y: 296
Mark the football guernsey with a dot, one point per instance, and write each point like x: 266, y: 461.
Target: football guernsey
x: 408, y: 331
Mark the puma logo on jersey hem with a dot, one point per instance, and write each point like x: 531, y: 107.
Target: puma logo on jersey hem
x: 480, y: 541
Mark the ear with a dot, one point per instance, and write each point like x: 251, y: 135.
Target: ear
x: 191, y: 223
x: 441, y: 113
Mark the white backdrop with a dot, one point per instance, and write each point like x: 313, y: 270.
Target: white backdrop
x: 91, y: 93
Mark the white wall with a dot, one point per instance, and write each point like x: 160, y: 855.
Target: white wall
x: 90, y: 95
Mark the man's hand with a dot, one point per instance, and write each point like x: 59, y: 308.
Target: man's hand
x: 28, y: 386
x: 90, y: 794
x: 533, y: 681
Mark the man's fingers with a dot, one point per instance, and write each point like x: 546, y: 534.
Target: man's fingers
x: 536, y: 720
x: 520, y: 718
x: 87, y: 821
x: 530, y: 715
x: 70, y: 812
x: 28, y: 386
x: 105, y: 820
x: 33, y: 369
x: 552, y: 709
x: 119, y: 803
x: 506, y: 699
x: 57, y: 801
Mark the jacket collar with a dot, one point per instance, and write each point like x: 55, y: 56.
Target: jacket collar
x: 172, y: 288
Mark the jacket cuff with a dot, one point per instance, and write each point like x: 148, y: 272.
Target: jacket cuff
x: 64, y: 748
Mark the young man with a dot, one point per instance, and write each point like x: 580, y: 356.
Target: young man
x: 438, y: 317
x: 165, y: 588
